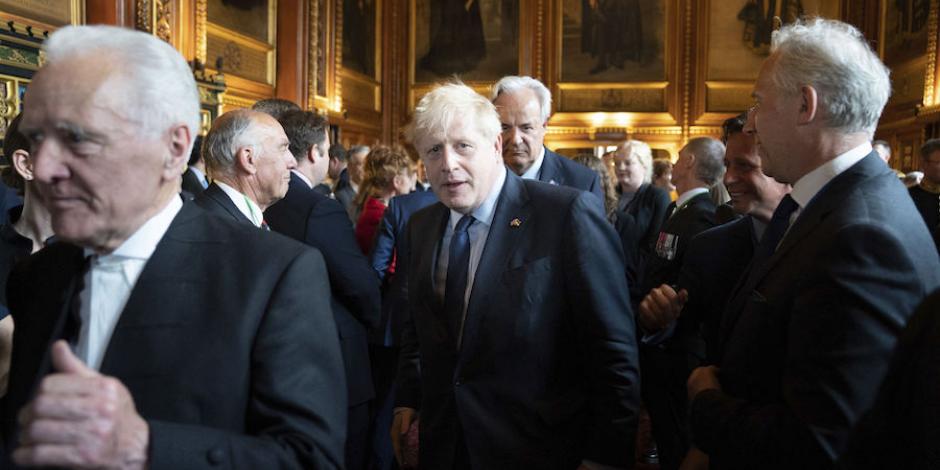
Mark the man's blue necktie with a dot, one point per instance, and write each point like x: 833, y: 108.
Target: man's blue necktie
x: 775, y: 231
x: 458, y: 264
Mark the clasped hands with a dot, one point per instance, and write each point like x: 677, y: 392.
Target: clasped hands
x: 661, y: 307
x: 81, y: 419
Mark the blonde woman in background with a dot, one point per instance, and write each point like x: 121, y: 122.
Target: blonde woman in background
x: 641, y: 209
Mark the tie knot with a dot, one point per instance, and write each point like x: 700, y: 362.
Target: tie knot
x: 787, y: 206
x: 464, y: 223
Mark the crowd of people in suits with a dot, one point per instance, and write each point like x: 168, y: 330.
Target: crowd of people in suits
x: 261, y: 297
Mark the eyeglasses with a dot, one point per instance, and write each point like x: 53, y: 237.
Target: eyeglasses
x: 753, y: 109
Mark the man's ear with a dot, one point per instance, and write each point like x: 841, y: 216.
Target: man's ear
x: 22, y: 164
x: 245, y: 159
x: 312, y: 153
x: 180, y: 140
x: 498, y: 146
x: 809, y: 104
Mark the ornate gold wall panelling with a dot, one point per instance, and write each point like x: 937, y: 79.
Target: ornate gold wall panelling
x: 360, y: 72
x: 597, y: 113
x: 43, y: 14
x: 248, y: 55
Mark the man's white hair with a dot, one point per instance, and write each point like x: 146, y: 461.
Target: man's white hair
x: 437, y: 109
x: 833, y: 57
x: 512, y: 83
x: 159, y: 80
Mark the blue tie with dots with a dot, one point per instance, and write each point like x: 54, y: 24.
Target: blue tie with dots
x: 458, y: 264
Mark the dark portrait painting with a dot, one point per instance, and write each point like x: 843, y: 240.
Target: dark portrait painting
x: 759, y: 18
x: 905, y: 30
x: 248, y: 17
x: 613, y: 40
x: 474, y: 39
x: 359, y: 36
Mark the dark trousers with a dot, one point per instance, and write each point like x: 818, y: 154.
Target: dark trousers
x: 357, y: 436
x: 663, y: 389
x: 384, y: 368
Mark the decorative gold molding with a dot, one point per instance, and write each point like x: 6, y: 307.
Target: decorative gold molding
x: 164, y: 18
x: 229, y: 100
x: 687, y: 71
x: 313, y: 65
x: 144, y: 15
x: 930, y: 98
x: 202, y: 15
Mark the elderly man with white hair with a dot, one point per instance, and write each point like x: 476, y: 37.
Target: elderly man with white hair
x: 524, y: 105
x: 156, y: 335
x: 806, y: 339
x: 520, y: 351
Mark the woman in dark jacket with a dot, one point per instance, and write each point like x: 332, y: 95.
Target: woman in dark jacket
x: 641, y: 209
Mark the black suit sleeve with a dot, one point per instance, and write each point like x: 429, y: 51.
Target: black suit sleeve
x: 596, y: 188
x: 839, y: 340
x: 354, y: 283
x: 296, y: 413
x: 593, y: 266
x: 408, y: 379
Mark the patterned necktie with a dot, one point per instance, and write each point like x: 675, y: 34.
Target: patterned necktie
x: 775, y: 231
x: 458, y: 264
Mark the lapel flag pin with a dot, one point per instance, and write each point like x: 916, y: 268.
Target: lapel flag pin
x: 515, y: 223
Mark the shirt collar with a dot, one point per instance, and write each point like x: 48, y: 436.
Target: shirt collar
x: 142, y: 243
x: 303, y: 178
x: 485, y: 212
x: 244, y: 203
x: 688, y: 195
x: 533, y: 172
x: 200, y: 175
x: 811, y: 183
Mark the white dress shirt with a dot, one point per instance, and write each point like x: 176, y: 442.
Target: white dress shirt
x: 244, y: 204
x: 478, y: 232
x: 535, y: 170
x: 200, y: 176
x: 110, y: 280
x: 303, y: 178
x: 807, y: 187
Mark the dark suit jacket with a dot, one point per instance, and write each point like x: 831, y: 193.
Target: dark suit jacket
x: 928, y: 204
x: 696, y: 216
x: 566, y: 172
x: 639, y: 227
x: 227, y: 345
x: 215, y: 201
x: 547, y: 373
x: 713, y: 262
x: 390, y: 241
x: 807, y: 338
x: 191, y: 183
x: 902, y: 430
x: 321, y: 222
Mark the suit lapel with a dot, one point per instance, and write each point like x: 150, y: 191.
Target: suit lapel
x: 811, y: 217
x: 510, y: 221
x: 165, y: 274
x: 551, y: 169
x: 218, y: 195
x: 426, y: 245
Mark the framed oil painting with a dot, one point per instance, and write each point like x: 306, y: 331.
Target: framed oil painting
x: 359, y: 36
x: 613, y: 40
x: 904, y: 30
x: 476, y: 40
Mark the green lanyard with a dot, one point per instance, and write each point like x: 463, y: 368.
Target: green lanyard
x: 251, y: 209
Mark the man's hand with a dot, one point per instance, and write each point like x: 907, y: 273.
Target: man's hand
x: 81, y: 419
x: 661, y: 307
x: 701, y: 379
x: 400, y: 426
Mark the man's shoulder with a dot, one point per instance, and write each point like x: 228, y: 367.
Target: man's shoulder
x: 580, y: 176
